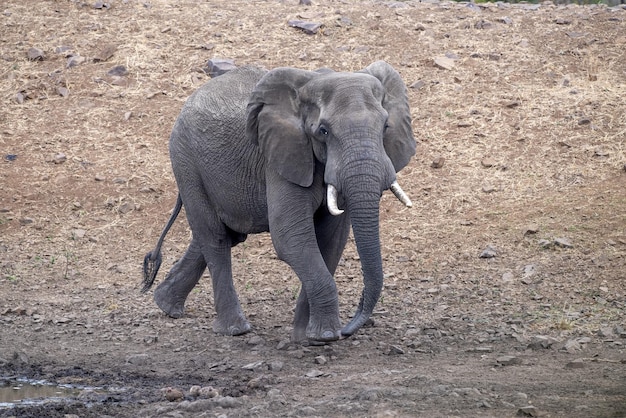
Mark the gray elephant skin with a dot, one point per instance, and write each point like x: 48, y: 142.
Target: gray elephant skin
x: 281, y: 151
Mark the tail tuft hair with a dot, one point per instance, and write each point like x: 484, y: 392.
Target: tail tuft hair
x: 151, y: 265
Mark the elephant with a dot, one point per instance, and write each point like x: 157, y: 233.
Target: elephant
x: 280, y: 151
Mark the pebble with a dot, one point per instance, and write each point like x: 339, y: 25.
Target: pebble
x: 138, y: 359
x: 563, y: 243
x: 173, y: 394
x: 575, y: 364
x: 276, y: 366
x: 118, y: 71
x: 60, y: 158
x: 438, y: 162
x: 530, y: 229
x: 310, y: 28
x: 487, y: 162
x: 444, y: 63
x: 228, y: 402
x: 314, y: 373
x: 35, y: 54
x: 488, y: 252
x: 321, y: 360
x: 528, y: 411
x: 508, y: 360
x: 253, y: 366
x: 208, y: 392
x: 216, y: 67
x: 74, y: 61
x: 488, y: 188
x: 256, y: 340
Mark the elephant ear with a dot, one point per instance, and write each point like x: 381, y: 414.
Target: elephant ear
x: 274, y: 124
x: 398, y: 138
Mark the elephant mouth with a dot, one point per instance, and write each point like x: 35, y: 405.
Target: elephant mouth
x: 332, y: 195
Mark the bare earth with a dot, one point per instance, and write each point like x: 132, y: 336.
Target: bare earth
x: 527, y: 115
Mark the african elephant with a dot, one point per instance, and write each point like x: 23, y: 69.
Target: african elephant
x: 280, y: 151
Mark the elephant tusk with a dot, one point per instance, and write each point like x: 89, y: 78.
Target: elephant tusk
x: 331, y: 200
x: 399, y: 193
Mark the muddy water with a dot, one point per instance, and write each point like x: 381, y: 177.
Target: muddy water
x: 18, y: 391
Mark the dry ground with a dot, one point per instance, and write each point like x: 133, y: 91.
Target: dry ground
x: 529, y: 121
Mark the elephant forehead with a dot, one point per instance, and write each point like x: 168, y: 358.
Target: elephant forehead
x: 343, y: 88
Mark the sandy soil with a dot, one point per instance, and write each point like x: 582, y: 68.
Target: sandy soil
x: 525, y: 122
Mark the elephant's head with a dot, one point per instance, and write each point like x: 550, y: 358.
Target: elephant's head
x: 359, y: 126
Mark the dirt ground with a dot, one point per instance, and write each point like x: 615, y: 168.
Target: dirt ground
x: 520, y: 111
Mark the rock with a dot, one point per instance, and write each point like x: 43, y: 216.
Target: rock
x: 63, y: 91
x: 118, y: 71
x: 508, y: 277
x: 310, y: 28
x: 276, y: 366
x: 584, y: 121
x: 35, y: 54
x: 253, y: 366
x: 126, y: 207
x: 544, y: 243
x: 173, y: 394
x: 74, y: 61
x: 488, y: 188
x: 508, y: 360
x: 438, y: 162
x: 138, y: 359
x: 256, y: 340
x: 572, y: 346
x: 606, y: 332
x: 60, y: 158
x: 100, y: 5
x: 538, y: 342
x: 321, y: 360
x: 444, y: 63
x: 487, y: 162
x: 216, y: 67
x: 563, y: 243
x: 314, y: 373
x: 530, y: 229
x: 488, y: 252
x: 228, y: 402
x: 528, y: 411
x: 78, y: 233
x: 417, y: 85
x: 529, y: 270
x: 105, y: 53
x: 394, y: 350
x: 305, y: 2
x: 26, y: 221
x: 575, y: 364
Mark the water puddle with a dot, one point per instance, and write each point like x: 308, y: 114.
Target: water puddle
x: 25, y: 391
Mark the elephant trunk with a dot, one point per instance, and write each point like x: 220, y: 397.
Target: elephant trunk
x: 362, y: 194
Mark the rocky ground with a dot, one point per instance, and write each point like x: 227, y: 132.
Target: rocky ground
x: 505, y: 289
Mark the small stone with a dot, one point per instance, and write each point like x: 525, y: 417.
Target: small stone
x: 78, y: 233
x: 217, y: 66
x: 228, y: 402
x: 395, y: 350
x: 173, y: 394
x: 35, y: 54
x: 444, y: 63
x: 127, y: 115
x: 606, y: 332
x: 438, y: 162
x: 508, y: 277
x: 508, y: 360
x: 314, y: 373
x: 529, y: 270
x: 126, y: 207
x: 488, y: 188
x: 74, y: 61
x: 99, y: 177
x: 276, y: 366
x: 530, y: 229
x: 563, y: 242
x: 321, y: 360
x: 512, y: 104
x: 59, y: 158
x: 118, y: 71
x: 417, y: 85
x: 256, y: 340
x: 105, y: 53
x: 310, y: 28
x: 488, y: 252
x: 26, y: 221
x: 138, y: 359
x: 528, y: 411
x: 487, y: 162
x: 572, y: 346
x: 544, y: 243
x: 253, y: 366
x: 584, y: 121
x: 575, y: 364
x: 63, y: 91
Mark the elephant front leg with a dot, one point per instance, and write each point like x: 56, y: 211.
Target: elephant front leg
x: 171, y: 295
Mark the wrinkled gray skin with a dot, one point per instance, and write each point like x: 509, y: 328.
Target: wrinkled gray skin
x: 253, y: 151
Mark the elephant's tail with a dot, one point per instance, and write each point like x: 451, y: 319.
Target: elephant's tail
x: 152, y: 260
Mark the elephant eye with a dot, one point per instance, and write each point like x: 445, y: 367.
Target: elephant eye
x: 386, y: 127
x: 323, y: 131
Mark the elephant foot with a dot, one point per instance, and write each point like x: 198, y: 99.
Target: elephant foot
x: 171, y: 304
x: 238, y: 326
x: 322, y: 331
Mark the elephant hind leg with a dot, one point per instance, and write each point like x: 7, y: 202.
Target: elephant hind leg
x: 171, y: 294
